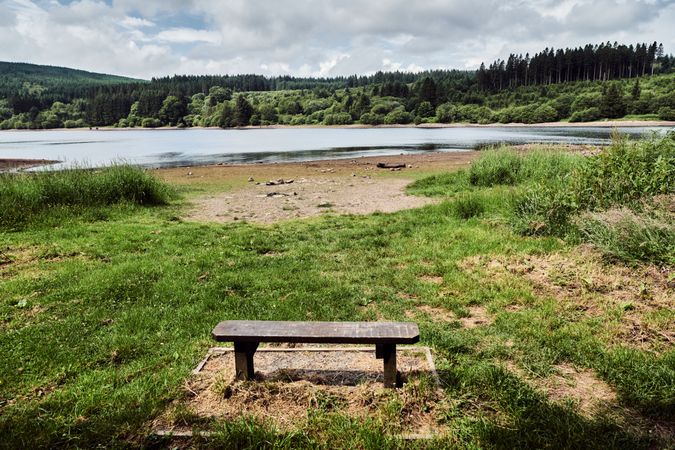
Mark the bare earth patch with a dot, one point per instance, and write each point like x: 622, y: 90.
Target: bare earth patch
x: 433, y: 279
x: 587, y: 286
x: 351, y: 186
x: 592, y: 396
x: 478, y: 316
x: 291, y: 386
x: 307, y: 197
x: 589, y: 393
x: 434, y: 313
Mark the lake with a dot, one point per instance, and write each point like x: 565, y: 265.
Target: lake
x: 171, y: 148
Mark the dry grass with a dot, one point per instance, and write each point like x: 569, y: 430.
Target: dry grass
x: 478, y: 316
x: 290, y: 386
x: 638, y: 302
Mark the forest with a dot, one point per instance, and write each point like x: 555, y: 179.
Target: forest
x: 594, y: 82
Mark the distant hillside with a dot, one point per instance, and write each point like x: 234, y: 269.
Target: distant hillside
x: 606, y: 81
x: 52, y: 83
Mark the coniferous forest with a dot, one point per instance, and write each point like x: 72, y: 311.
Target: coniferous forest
x: 594, y: 82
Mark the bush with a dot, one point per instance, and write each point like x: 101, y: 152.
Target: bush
x: 622, y: 175
x: 495, y: 167
x: 545, y: 113
x: 542, y: 209
x: 625, y: 172
x: 398, y: 116
x: 585, y: 101
x: 587, y: 115
x: 371, y: 119
x: 468, y: 205
x: 150, y: 122
x: 505, y: 166
x: 385, y: 107
x: 342, y: 118
x: 626, y: 236
x: 74, y: 123
x: 24, y: 196
x: 447, y: 113
x: 666, y: 113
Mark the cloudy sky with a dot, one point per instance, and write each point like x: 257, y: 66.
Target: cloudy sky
x: 145, y: 38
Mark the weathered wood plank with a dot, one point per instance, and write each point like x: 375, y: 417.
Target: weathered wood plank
x: 317, y: 332
x: 243, y: 360
x: 387, y: 353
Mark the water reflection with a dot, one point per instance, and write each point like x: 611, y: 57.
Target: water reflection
x: 170, y: 148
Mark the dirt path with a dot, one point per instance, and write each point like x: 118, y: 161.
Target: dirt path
x: 355, y: 186
x: 307, y: 197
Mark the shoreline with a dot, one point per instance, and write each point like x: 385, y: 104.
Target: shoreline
x: 596, y: 124
x: 8, y: 164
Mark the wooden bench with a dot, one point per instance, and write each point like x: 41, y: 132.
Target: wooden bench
x: 247, y: 334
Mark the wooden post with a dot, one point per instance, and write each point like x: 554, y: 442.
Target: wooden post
x: 387, y: 353
x: 243, y: 359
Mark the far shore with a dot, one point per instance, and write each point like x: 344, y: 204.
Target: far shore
x: 23, y: 163
x: 602, y: 124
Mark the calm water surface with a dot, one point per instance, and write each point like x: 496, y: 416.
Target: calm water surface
x: 169, y: 148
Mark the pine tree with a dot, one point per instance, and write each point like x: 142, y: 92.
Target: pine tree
x: 612, y: 103
x: 635, y: 92
x: 242, y: 112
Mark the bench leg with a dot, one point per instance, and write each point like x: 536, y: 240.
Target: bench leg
x: 387, y: 353
x: 243, y: 359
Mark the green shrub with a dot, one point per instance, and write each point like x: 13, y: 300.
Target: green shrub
x: 371, y: 119
x: 624, y: 172
x: 342, y: 118
x: 623, y: 235
x: 542, y: 210
x: 150, y: 122
x: 586, y: 115
x: 398, y: 116
x: 585, y: 101
x: 495, y: 167
x: 666, y: 113
x: 468, y: 205
x: 545, y: 113
x: 24, y: 196
x: 622, y: 175
x: 447, y: 113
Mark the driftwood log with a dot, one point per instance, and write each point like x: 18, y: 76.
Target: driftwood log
x: 391, y: 166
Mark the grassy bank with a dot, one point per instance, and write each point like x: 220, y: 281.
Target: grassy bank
x: 30, y: 198
x: 620, y: 199
x: 102, y: 321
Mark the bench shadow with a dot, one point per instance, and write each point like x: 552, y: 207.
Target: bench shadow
x: 326, y: 377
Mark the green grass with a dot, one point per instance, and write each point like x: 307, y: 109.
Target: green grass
x: 103, y: 321
x: 26, y: 198
x: 548, y: 192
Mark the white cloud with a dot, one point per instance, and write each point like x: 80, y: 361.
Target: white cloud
x: 136, y: 22
x: 188, y: 35
x: 311, y: 37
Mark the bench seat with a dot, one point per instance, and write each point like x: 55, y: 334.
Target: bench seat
x: 247, y: 334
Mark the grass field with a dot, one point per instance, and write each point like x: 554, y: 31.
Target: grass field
x: 103, y: 317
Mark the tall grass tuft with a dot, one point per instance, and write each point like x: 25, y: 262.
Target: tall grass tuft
x: 504, y: 166
x: 623, y: 235
x: 25, y: 196
x: 496, y: 166
x: 621, y: 175
x: 602, y: 201
x: 468, y: 205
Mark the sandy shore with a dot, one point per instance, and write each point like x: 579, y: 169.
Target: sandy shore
x: 12, y: 163
x: 268, y: 193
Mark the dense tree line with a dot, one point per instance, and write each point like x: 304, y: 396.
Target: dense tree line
x: 573, y: 84
x: 589, y: 63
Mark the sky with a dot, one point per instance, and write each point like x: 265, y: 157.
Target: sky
x: 152, y: 38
